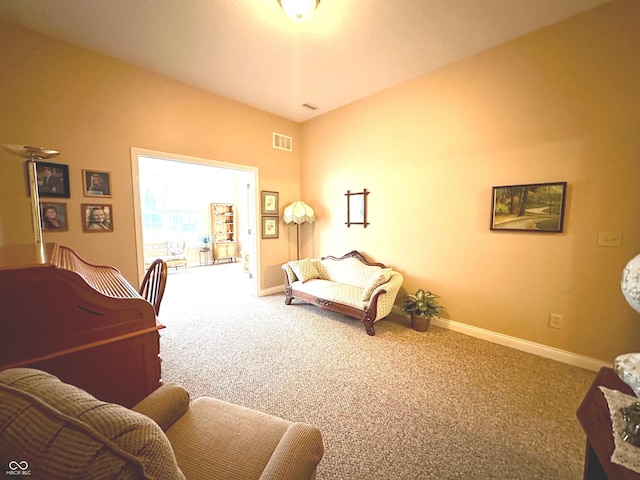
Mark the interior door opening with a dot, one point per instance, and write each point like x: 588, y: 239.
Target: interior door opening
x: 173, y: 195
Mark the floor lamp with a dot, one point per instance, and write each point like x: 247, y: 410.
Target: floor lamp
x: 32, y: 155
x: 298, y: 212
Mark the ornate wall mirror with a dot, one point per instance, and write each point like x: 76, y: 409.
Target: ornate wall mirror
x: 357, y: 208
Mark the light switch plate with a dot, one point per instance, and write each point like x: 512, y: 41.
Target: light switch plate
x: 609, y: 239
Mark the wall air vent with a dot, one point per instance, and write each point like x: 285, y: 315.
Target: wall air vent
x: 309, y: 106
x: 282, y: 142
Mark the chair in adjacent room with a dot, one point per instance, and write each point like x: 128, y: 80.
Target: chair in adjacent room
x: 154, y: 282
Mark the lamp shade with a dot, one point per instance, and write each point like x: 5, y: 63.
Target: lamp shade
x: 630, y: 283
x: 299, y: 212
x: 32, y: 153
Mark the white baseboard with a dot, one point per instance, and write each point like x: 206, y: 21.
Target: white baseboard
x: 271, y: 291
x: 588, y: 363
x: 552, y: 353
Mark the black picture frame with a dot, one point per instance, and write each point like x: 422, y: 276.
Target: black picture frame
x: 534, y: 207
x: 52, y: 180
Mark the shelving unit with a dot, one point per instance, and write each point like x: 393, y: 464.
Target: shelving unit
x: 223, y: 228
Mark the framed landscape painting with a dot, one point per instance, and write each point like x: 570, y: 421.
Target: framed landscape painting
x: 536, y: 207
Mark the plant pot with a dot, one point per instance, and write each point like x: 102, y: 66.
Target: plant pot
x: 420, y: 324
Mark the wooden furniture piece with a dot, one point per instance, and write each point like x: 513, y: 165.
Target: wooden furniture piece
x: 174, y: 253
x: 153, y: 284
x: 204, y: 257
x: 594, y: 417
x: 81, y: 322
x: 223, y: 228
x: 349, y: 285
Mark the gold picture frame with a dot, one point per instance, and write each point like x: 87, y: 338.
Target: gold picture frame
x: 96, y: 218
x: 270, y: 227
x: 53, y: 216
x: 269, y: 204
x: 96, y: 183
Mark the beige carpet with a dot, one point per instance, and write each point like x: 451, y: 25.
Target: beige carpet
x: 400, y: 405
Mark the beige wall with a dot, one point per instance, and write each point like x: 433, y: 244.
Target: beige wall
x: 94, y: 109
x: 562, y: 104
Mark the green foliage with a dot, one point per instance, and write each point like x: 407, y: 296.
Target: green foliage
x: 423, y: 304
x: 206, y: 239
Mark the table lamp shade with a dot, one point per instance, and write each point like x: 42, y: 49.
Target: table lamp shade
x: 298, y: 212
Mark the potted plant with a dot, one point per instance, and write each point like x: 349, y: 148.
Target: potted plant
x: 422, y: 306
x: 206, y: 240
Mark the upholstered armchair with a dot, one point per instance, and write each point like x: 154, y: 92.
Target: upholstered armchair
x: 58, y: 431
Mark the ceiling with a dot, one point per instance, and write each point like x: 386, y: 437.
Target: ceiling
x: 249, y: 51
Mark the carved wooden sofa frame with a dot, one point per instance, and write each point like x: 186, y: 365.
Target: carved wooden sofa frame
x: 367, y: 315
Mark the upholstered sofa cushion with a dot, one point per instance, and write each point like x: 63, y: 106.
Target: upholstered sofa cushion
x: 63, y: 432
x: 242, y: 443
x: 350, y: 271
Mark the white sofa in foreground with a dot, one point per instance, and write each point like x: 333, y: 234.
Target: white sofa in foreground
x: 349, y: 285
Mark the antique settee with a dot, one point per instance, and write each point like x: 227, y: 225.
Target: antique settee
x: 174, y: 253
x: 349, y: 285
x: 53, y: 430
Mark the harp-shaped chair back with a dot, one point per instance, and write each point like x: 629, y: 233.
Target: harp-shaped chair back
x: 152, y: 288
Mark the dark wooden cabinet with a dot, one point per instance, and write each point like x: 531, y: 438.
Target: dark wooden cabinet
x: 594, y: 417
x: 83, y: 323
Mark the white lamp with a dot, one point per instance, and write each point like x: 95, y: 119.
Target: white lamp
x: 627, y: 366
x: 630, y: 283
x: 298, y: 212
x: 32, y: 154
x: 299, y: 10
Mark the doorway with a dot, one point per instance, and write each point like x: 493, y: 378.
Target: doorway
x: 187, y: 186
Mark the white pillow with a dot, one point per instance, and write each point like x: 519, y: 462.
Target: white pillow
x: 304, y: 269
x: 375, y: 281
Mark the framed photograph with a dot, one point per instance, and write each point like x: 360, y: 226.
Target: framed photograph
x: 269, y: 203
x: 53, y: 217
x: 357, y: 208
x: 537, y: 207
x: 96, y: 218
x: 270, y: 227
x: 96, y: 183
x: 53, y: 180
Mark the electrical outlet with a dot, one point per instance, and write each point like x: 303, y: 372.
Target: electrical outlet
x: 555, y: 320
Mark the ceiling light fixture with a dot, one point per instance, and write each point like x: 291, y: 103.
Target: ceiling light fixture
x: 299, y: 10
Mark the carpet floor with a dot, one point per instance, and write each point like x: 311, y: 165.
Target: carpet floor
x: 400, y: 405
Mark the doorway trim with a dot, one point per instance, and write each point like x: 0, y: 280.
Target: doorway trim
x: 254, y: 260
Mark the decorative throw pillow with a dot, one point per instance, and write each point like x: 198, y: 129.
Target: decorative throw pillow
x: 175, y: 248
x: 304, y: 269
x: 322, y: 270
x: 375, y: 281
x: 292, y: 276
